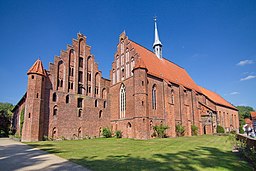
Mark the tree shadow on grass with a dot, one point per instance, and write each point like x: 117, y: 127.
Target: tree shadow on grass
x: 200, y: 158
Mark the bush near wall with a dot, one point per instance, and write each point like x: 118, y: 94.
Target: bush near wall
x: 180, y: 130
x: 220, y: 129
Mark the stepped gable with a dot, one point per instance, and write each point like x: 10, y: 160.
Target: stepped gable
x: 165, y: 69
x: 37, y: 68
x: 216, y: 98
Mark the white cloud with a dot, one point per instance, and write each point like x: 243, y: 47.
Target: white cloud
x: 248, y: 77
x: 245, y: 62
x: 234, y: 93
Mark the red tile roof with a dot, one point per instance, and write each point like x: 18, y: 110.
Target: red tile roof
x: 253, y: 114
x: 216, y: 98
x: 173, y: 73
x: 37, y: 68
x: 164, y: 69
x: 140, y: 64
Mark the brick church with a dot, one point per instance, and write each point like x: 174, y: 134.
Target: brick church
x: 72, y: 100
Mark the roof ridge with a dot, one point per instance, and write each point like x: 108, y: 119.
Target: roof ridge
x: 155, y: 54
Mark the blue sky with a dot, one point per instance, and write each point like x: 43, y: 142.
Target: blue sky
x: 215, y: 41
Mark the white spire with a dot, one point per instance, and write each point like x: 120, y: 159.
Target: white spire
x: 157, y: 44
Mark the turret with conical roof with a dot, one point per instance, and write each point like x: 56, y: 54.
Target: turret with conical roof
x: 34, y: 109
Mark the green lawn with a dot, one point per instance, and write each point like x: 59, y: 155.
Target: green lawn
x: 185, y: 153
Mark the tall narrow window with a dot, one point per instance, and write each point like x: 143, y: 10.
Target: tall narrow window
x: 132, y: 65
x: 80, y: 76
x: 122, y: 46
x: 122, y: 101
x: 154, y: 97
x: 81, y: 62
x: 172, y: 97
x: 89, y: 76
x: 114, y: 77
x: 80, y: 89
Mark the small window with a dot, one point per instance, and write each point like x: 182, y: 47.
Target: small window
x: 142, y: 103
x: 79, y: 113
x: 32, y: 77
x: 100, y: 114
x: 80, y: 89
x: 54, y: 97
x: 37, y: 95
x: 55, y: 111
x: 96, y: 103
x: 142, y: 83
x: 104, y: 104
x: 28, y: 115
x: 96, y: 90
x: 67, y: 99
x: 79, y: 102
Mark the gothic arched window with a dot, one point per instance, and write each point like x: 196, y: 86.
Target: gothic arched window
x: 154, y: 97
x: 122, y: 101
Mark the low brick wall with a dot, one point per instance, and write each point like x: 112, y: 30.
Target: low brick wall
x: 251, y: 142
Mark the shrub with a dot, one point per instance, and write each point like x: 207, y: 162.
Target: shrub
x: 118, y: 134
x: 220, y: 129
x: 194, y: 129
x: 233, y: 132
x: 45, y: 138
x: 241, y: 130
x: 106, y: 133
x: 160, y: 130
x: 180, y: 130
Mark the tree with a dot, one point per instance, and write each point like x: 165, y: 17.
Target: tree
x: 244, y: 112
x: 5, y: 118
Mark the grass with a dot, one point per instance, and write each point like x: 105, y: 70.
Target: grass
x: 184, y: 153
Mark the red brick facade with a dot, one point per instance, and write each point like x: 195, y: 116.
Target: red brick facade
x: 72, y: 100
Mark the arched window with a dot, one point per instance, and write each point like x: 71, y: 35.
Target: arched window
x: 67, y: 99
x: 54, y: 97
x: 79, y: 113
x: 55, y: 110
x: 154, y: 97
x: 122, y: 101
x: 122, y: 46
x: 100, y: 114
x: 114, y: 76
x: 104, y: 93
x: 132, y: 65
x: 96, y: 103
x: 172, y: 97
x: 54, y: 133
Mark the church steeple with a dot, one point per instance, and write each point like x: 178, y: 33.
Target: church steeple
x: 157, y: 46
